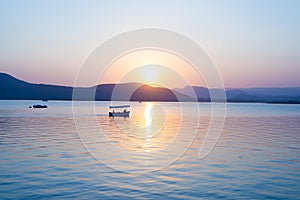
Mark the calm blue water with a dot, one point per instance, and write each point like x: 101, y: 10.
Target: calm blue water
x: 43, y: 157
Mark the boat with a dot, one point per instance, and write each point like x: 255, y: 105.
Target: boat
x: 39, y: 106
x: 116, y: 111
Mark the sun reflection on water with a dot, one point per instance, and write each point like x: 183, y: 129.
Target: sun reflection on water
x: 149, y: 129
x: 148, y: 114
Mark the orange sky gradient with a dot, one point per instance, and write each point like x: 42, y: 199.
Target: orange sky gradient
x: 153, y: 67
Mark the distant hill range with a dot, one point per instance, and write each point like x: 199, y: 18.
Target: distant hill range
x: 13, y: 88
x: 248, y: 95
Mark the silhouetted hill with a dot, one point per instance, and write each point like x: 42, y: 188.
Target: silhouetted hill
x: 191, y: 91
x: 12, y: 88
x: 147, y: 93
x: 266, y: 95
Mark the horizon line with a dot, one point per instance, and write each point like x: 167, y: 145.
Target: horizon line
x: 158, y: 85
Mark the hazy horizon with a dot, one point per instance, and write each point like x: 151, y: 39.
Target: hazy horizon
x: 139, y: 83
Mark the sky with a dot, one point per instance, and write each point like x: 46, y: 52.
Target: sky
x: 253, y: 43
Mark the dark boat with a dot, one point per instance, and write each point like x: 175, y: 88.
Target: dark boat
x: 39, y: 106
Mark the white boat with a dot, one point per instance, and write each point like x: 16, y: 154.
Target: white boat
x: 119, y: 111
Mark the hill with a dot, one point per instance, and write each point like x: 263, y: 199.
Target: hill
x: 264, y: 95
x: 13, y: 88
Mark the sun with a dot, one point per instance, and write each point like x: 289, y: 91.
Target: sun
x: 152, y: 67
x: 149, y: 73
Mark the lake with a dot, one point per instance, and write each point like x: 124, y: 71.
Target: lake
x: 76, y: 151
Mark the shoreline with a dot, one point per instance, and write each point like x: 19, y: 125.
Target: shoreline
x: 245, y: 102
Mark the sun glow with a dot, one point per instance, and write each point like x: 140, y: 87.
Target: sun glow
x: 149, y: 74
x: 152, y: 67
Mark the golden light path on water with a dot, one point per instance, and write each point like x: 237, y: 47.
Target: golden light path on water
x: 148, y: 114
x: 155, y: 134
x: 148, y: 129
x: 148, y: 123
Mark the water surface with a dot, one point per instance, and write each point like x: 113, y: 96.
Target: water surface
x: 42, y: 156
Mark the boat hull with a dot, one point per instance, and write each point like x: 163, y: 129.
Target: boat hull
x: 119, y: 114
x: 40, y: 106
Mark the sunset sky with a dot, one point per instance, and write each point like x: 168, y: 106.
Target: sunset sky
x: 253, y: 43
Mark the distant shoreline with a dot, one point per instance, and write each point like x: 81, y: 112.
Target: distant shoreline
x: 230, y: 102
